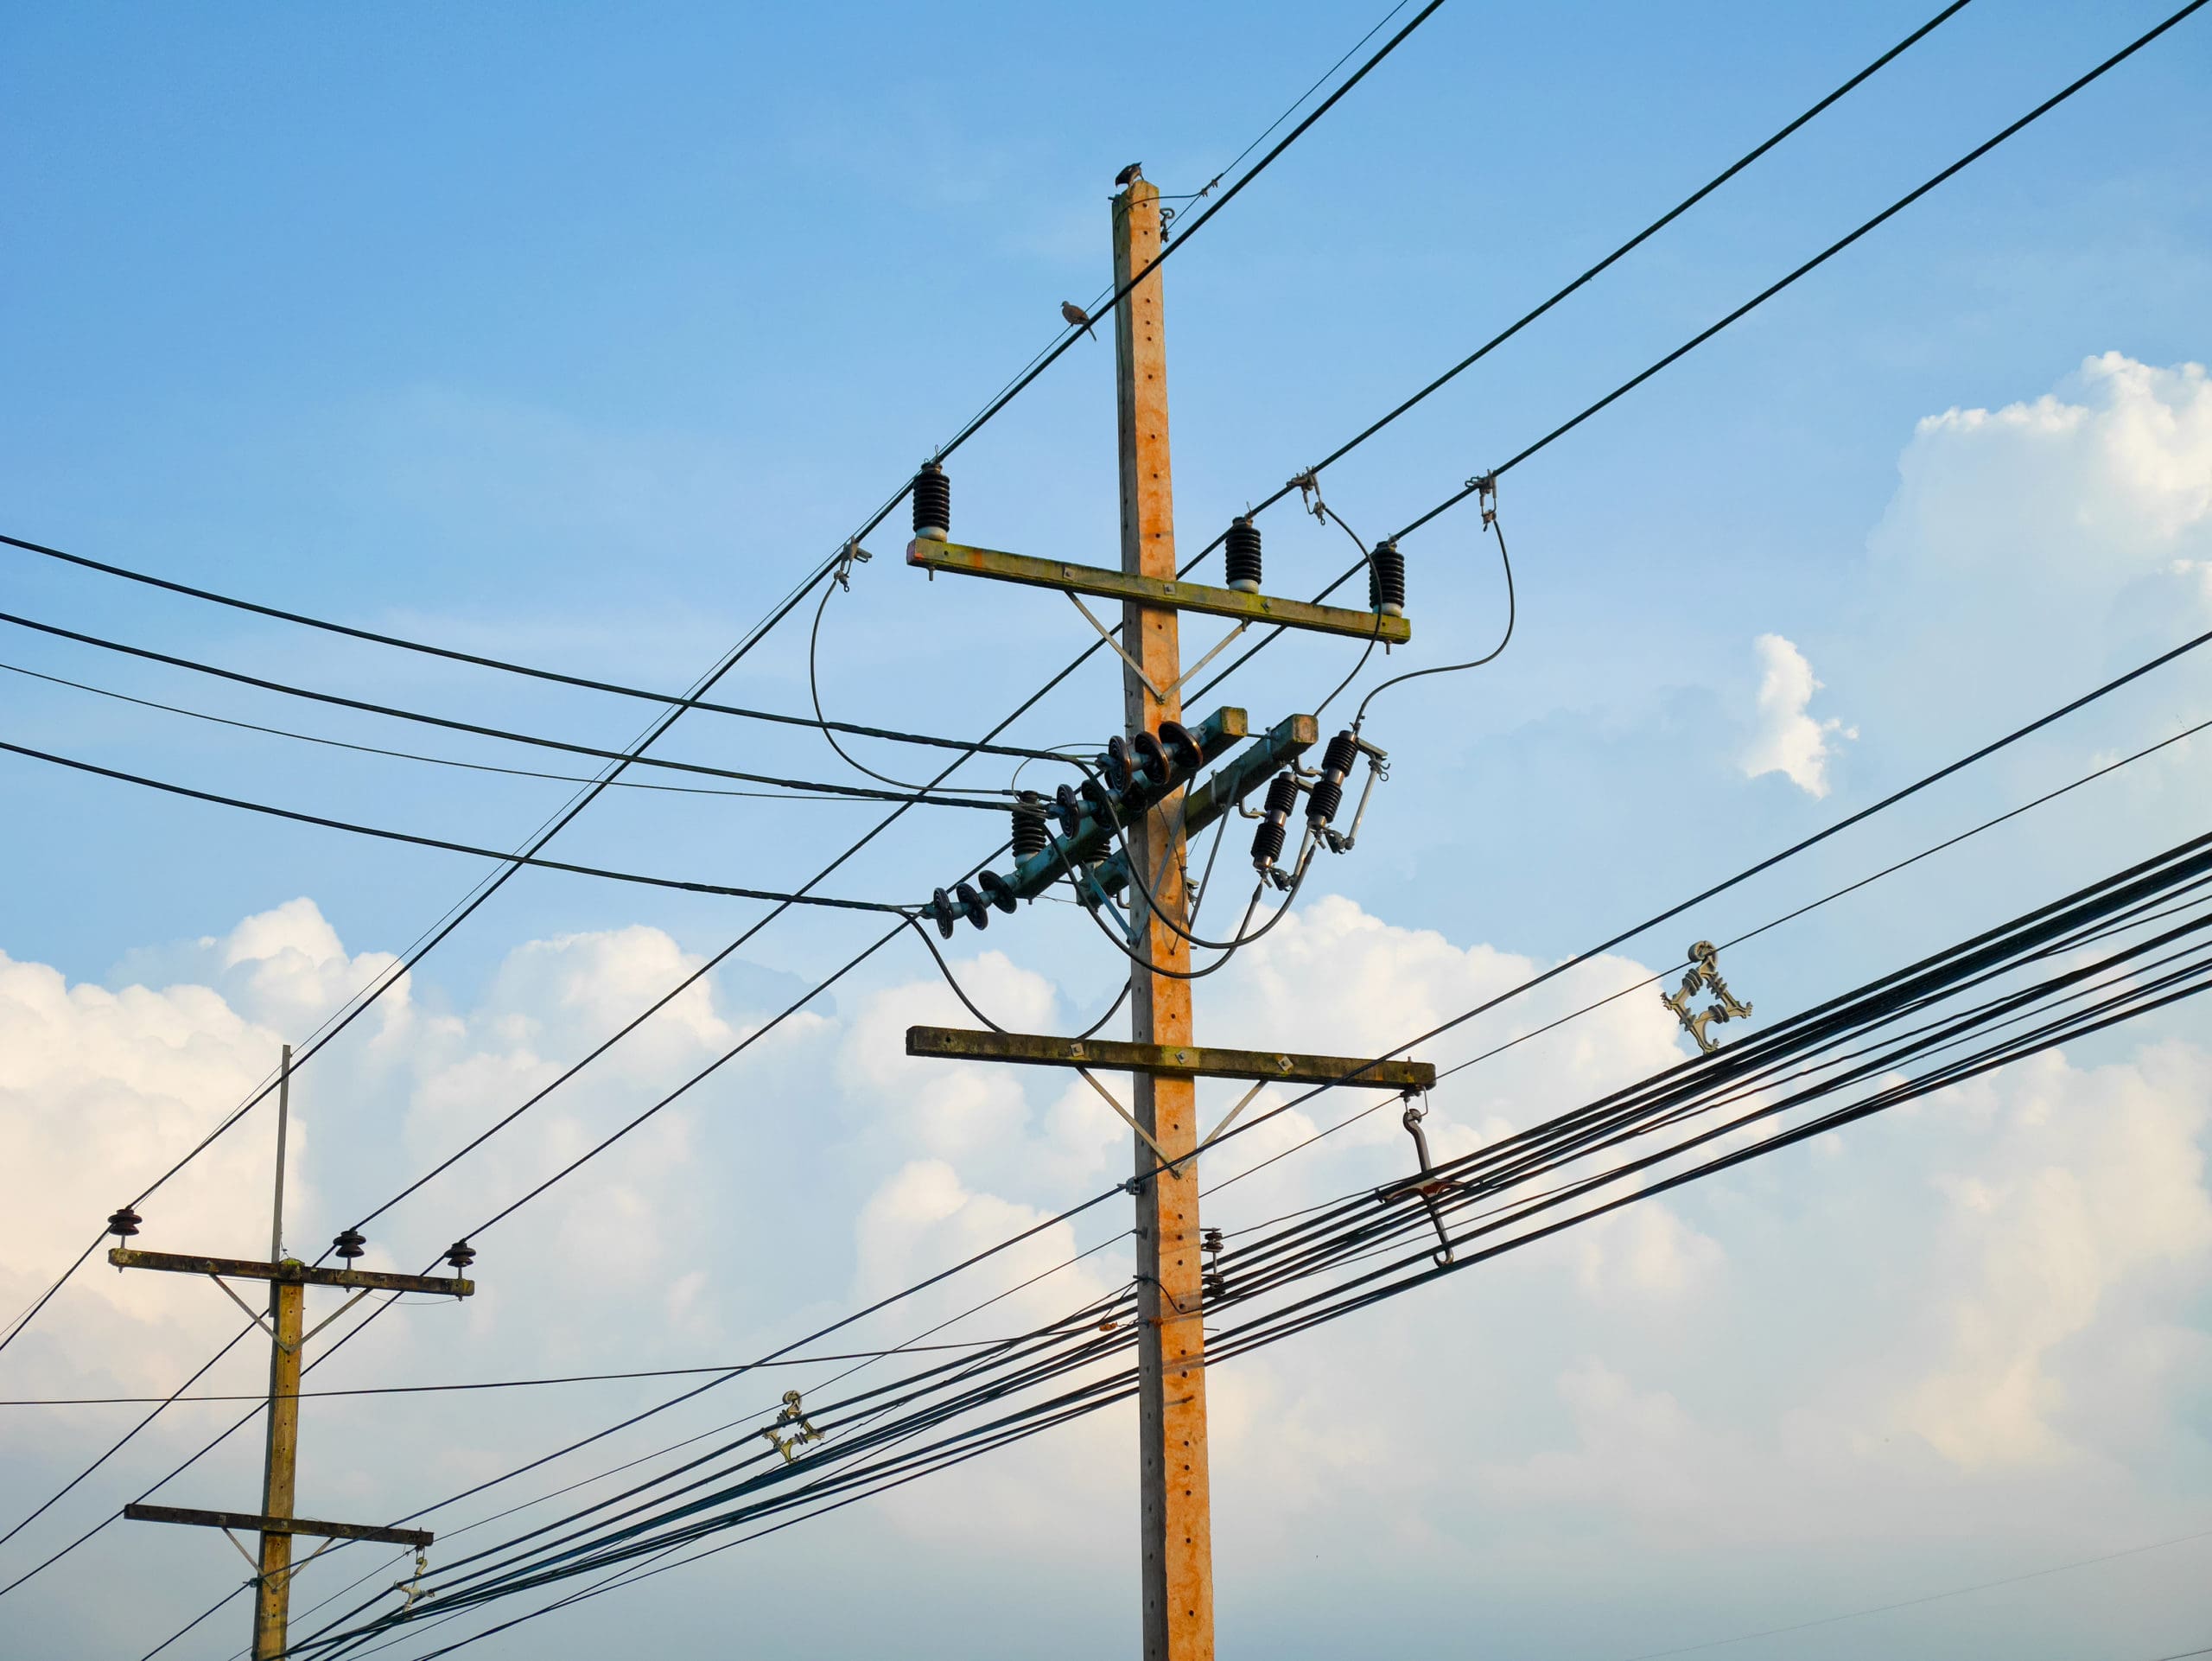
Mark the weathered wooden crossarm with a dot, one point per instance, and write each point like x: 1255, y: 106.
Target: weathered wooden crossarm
x: 249, y: 1523
x: 291, y: 1272
x: 1169, y: 1060
x: 932, y: 556
x: 1231, y: 783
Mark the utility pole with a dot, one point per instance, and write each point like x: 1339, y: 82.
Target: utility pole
x: 288, y: 1302
x: 288, y: 1279
x: 1175, y: 1507
x: 1146, y: 785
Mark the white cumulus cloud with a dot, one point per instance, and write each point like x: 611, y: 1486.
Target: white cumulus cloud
x: 1785, y: 738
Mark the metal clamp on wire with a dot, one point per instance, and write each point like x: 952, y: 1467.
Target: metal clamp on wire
x: 844, y: 573
x: 792, y: 1414
x: 1428, y: 1186
x: 1484, y: 485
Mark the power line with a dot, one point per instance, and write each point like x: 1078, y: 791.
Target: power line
x: 1880, y: 1001
x: 452, y: 724
x: 798, y: 790
x: 1813, y: 263
x: 678, y: 704
x: 2033, y: 726
x: 784, y: 609
x: 445, y: 846
x: 1610, y: 260
x: 724, y: 1368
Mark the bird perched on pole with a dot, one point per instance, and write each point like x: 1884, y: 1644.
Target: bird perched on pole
x: 1077, y: 315
x: 1129, y: 176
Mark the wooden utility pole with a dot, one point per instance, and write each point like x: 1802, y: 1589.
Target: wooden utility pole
x: 1175, y: 1508
x: 288, y: 1303
x: 289, y: 1280
x: 1148, y: 783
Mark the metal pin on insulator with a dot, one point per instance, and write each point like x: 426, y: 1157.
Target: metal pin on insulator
x: 348, y: 1246
x: 1267, y: 840
x: 1329, y: 789
x: 124, y: 1223
x: 1241, y: 552
x: 1386, y: 579
x: 461, y: 1254
x: 999, y: 891
x: 1030, y: 833
x: 932, y: 503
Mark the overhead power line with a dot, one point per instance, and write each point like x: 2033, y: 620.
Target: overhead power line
x: 451, y: 723
x: 1815, y: 262
x: 445, y: 846
x: 1364, y: 1201
x: 724, y: 1369
x: 1713, y: 1081
x: 1613, y: 258
x: 483, y: 892
x: 799, y: 793
x: 892, y: 735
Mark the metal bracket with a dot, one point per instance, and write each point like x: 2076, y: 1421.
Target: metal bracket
x: 1161, y: 1152
x: 1227, y: 1119
x: 255, y: 1316
x: 792, y: 1414
x: 1705, y: 971
x: 1159, y: 694
x: 334, y: 1314
x: 1427, y: 1185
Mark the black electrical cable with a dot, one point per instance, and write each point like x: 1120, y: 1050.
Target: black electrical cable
x: 2053, y: 923
x: 831, y: 564
x: 1798, y: 847
x: 1617, y: 254
x: 2102, y: 691
x: 1374, y: 582
x: 574, y: 1447
x: 1884, y: 993
x: 444, y: 846
x: 494, y: 1384
x: 2122, y: 679
x: 1188, y: 231
x: 691, y: 701
x: 451, y: 724
x: 2032, y: 117
x: 975, y: 1009
x: 1512, y: 612
x: 1813, y: 263
x: 797, y: 790
x: 1788, y: 916
x: 678, y: 703
x: 814, y: 692
x: 2016, y: 1056
x: 1711, y: 1077
x: 912, y: 1345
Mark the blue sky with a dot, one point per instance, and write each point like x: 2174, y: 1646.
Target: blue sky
x: 576, y: 336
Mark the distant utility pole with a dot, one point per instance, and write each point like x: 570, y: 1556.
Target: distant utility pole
x: 288, y: 1279
x: 1146, y: 786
